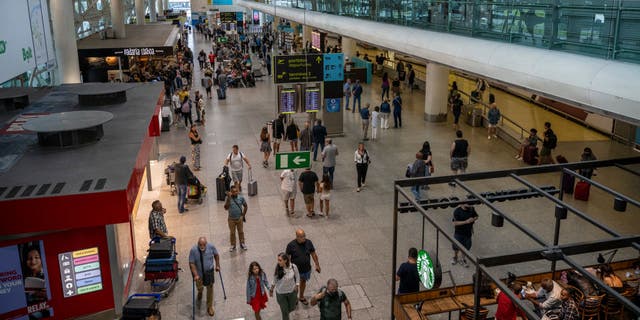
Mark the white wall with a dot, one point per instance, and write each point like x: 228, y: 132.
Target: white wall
x: 15, y: 37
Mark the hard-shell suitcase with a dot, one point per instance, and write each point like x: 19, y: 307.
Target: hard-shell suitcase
x: 252, y: 187
x: 162, y: 249
x: 568, y: 181
x: 582, y: 191
x: 530, y: 155
x: 140, y: 306
x: 221, y: 95
x: 222, y: 184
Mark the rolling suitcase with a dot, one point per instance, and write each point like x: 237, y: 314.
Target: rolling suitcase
x: 162, y: 249
x: 221, y: 95
x: 140, y: 306
x: 582, y: 191
x: 252, y: 187
x: 568, y: 181
x: 222, y: 184
x: 530, y: 155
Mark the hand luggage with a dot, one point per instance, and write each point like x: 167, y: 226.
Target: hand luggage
x: 252, y: 187
x: 222, y: 185
x: 530, y: 155
x: 203, y: 82
x: 162, y: 249
x: 221, y: 95
x: 582, y: 191
x: 140, y: 306
x: 568, y: 181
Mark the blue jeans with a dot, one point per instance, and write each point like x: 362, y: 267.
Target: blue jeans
x: 346, y: 102
x: 397, y: 119
x: 385, y: 90
x: 356, y: 98
x: 416, y: 192
x: 182, y: 197
x: 329, y: 171
x: 315, y: 149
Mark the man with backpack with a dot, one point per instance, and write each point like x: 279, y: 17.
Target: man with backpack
x: 549, y: 142
x: 357, y: 93
x: 234, y: 161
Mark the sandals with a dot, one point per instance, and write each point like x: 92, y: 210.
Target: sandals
x: 304, y: 301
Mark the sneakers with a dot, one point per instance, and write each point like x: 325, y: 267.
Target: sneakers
x: 519, y: 158
x: 243, y: 246
x: 357, y: 189
x: 495, y: 136
x: 232, y: 249
x: 453, y: 184
x: 463, y: 263
x: 454, y: 261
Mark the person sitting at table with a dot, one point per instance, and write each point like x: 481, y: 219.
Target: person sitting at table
x: 569, y: 307
x: 507, y: 310
x: 609, y: 277
x: 547, y: 300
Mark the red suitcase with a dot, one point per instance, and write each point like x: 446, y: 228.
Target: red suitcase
x: 582, y: 191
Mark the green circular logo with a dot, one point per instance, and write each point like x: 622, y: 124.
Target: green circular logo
x: 426, y: 269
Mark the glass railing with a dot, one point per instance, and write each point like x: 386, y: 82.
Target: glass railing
x: 608, y: 29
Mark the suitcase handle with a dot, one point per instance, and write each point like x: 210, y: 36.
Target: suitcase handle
x: 155, y: 295
x: 250, y: 176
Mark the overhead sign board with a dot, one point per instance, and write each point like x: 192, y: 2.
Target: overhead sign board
x: 293, y: 160
x: 298, y: 68
x: 333, y: 67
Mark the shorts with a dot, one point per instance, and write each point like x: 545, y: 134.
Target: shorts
x: 326, y: 196
x: 293, y: 140
x: 288, y: 195
x: 305, y: 275
x: 458, y: 163
x: 492, y: 125
x: 464, y: 240
x: 277, y: 140
x: 308, y: 198
x: 545, y: 151
x: 236, y: 176
x: 208, y: 89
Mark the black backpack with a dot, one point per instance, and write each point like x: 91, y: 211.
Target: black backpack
x: 552, y: 140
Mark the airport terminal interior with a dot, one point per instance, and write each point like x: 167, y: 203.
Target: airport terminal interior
x: 90, y: 99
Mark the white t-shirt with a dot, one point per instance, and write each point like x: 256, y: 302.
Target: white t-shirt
x: 288, y: 180
x: 374, y: 119
x: 175, y: 100
x: 235, y: 161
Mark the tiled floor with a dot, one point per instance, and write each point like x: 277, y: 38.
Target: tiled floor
x: 354, y: 245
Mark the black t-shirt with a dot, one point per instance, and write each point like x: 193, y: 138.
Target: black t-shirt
x: 460, y: 149
x: 460, y: 215
x: 308, y: 179
x: 301, y: 254
x: 409, y: 279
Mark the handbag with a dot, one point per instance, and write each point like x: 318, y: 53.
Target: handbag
x: 432, y: 169
x: 208, y: 277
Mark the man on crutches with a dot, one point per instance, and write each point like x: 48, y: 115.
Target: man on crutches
x: 201, y: 263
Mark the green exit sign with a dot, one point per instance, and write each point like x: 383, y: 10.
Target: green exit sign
x: 293, y: 160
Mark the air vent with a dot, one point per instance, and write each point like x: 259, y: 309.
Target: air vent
x: 43, y: 189
x: 67, y: 129
x: 27, y: 192
x: 102, y: 97
x: 58, y: 188
x: 2, y: 190
x: 100, y: 184
x: 86, y: 185
x: 14, y: 191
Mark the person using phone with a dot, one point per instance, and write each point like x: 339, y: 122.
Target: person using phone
x: 237, y: 207
x: 329, y: 300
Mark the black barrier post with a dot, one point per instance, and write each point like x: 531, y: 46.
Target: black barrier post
x: 395, y: 248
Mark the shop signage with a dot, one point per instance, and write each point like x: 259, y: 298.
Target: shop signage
x: 129, y: 52
x: 24, y: 282
x: 293, y: 160
x: 80, y: 272
x: 333, y: 67
x: 298, y: 68
x: 426, y: 269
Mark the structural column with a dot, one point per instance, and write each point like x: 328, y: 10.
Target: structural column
x: 160, y: 7
x: 348, y: 47
x: 117, y: 19
x: 64, y: 36
x: 139, y: 11
x: 152, y: 11
x: 436, y: 91
x: 306, y: 34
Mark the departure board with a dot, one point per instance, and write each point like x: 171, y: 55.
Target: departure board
x: 288, y: 101
x: 312, y: 99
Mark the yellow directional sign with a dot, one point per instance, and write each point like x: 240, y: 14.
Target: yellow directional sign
x: 298, y: 68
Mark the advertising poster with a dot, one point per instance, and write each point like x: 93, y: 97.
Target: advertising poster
x: 24, y: 284
x: 16, y: 47
x: 333, y: 104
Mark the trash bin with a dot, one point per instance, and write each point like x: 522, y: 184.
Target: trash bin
x: 474, y: 117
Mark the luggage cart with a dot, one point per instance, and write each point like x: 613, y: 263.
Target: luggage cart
x: 161, y: 266
x: 169, y: 173
x: 196, y: 191
x: 142, y: 306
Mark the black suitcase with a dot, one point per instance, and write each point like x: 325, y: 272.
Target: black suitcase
x: 221, y: 96
x: 568, y: 181
x: 221, y: 187
x: 166, y: 124
x: 140, y: 307
x: 530, y: 155
x: 161, y: 250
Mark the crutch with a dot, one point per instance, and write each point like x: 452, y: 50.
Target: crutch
x: 224, y: 293
x: 193, y: 300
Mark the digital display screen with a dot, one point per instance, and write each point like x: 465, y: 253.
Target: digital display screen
x: 288, y: 101
x: 315, y: 40
x: 312, y: 99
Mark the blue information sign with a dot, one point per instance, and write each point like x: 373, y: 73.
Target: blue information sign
x: 333, y: 67
x: 333, y: 104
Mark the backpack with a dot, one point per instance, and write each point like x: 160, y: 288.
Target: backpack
x: 186, y: 107
x: 231, y: 154
x: 357, y: 91
x: 552, y: 140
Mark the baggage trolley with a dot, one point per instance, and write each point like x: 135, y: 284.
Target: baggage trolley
x: 161, y: 266
x: 142, y: 306
x: 169, y: 173
x: 196, y: 191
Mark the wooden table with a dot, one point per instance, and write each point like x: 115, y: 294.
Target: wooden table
x: 441, y: 305
x: 466, y: 301
x: 623, y: 274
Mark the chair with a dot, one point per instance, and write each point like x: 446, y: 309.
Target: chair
x: 577, y: 295
x: 611, y: 307
x: 468, y: 314
x: 591, y: 307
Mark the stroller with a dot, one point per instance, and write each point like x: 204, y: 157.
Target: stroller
x: 169, y: 173
x: 196, y: 190
x: 161, y: 265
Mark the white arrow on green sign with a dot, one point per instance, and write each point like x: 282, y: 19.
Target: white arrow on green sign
x: 293, y: 160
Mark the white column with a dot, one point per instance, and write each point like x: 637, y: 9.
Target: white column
x: 117, y: 19
x: 348, y: 47
x: 306, y: 34
x: 64, y: 37
x: 139, y: 11
x: 160, y: 7
x: 436, y: 91
x: 152, y: 11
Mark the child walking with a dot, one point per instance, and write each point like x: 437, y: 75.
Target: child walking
x: 257, y: 287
